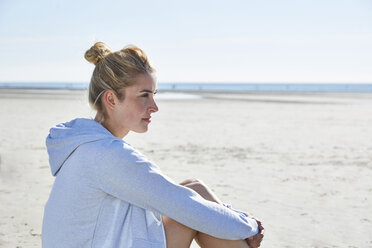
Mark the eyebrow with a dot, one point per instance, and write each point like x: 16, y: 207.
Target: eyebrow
x: 149, y: 91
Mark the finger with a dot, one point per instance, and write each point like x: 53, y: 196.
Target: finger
x: 251, y: 245
x: 260, y: 237
x: 255, y: 243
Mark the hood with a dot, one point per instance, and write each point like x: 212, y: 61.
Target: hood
x: 64, y: 138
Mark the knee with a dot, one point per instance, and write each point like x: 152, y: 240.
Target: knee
x: 196, y: 185
x: 191, y: 181
x: 202, y: 189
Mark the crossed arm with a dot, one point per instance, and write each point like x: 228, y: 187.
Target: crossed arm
x: 178, y: 235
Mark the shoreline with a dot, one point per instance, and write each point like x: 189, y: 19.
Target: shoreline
x: 164, y: 95
x: 215, y: 87
x: 202, y: 93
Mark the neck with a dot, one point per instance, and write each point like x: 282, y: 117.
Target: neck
x: 111, y: 127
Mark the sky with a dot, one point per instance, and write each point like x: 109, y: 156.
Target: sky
x: 252, y: 41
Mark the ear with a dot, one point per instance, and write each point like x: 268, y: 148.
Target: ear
x: 109, y: 99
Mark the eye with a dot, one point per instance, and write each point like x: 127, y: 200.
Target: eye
x: 145, y: 95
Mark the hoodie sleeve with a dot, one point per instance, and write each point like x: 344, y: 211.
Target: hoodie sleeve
x: 126, y: 174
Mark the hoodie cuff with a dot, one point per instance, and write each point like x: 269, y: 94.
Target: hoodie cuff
x: 252, y: 222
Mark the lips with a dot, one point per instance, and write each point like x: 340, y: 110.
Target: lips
x: 147, y: 120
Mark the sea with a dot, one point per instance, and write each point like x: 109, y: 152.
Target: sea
x: 212, y: 87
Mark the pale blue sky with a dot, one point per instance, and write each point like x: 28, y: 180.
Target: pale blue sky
x: 191, y: 41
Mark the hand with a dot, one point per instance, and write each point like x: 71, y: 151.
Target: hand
x: 255, y: 241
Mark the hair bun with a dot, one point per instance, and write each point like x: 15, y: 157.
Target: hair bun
x: 97, y: 52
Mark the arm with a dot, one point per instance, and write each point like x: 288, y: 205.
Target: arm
x: 204, y: 191
x: 127, y: 175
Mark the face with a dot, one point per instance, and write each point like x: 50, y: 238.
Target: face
x: 134, y: 112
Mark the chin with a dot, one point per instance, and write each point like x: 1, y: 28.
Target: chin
x: 141, y: 130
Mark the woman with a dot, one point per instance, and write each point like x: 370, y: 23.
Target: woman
x: 107, y: 194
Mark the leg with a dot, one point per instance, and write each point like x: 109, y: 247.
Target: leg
x: 176, y: 234
x: 181, y: 236
x: 205, y: 240
x: 199, y: 187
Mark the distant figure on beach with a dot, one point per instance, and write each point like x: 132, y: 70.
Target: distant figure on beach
x: 107, y: 194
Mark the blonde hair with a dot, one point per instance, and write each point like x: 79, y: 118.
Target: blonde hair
x: 114, y: 71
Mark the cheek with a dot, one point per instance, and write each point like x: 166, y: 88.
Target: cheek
x: 136, y: 112
x: 142, y: 106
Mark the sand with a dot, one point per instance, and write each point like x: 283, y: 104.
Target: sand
x: 302, y: 163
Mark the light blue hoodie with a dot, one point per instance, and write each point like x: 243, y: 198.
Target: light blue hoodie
x: 107, y: 194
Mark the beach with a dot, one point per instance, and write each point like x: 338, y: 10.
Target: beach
x: 301, y: 163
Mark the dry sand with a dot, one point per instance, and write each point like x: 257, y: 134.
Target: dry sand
x: 302, y: 163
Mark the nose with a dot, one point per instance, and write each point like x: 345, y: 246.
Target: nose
x: 153, y: 107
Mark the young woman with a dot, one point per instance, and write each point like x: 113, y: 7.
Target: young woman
x: 107, y: 194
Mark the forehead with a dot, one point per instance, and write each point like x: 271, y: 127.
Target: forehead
x: 144, y: 81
